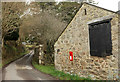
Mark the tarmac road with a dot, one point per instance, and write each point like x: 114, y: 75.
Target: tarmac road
x: 23, y: 70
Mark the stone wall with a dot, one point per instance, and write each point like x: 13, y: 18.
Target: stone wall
x: 76, y: 38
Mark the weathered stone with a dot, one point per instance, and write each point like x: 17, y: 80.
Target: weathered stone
x: 83, y: 63
x: 89, y: 60
x: 89, y: 67
x: 76, y: 38
x: 112, y: 64
x: 103, y: 72
x: 93, y: 72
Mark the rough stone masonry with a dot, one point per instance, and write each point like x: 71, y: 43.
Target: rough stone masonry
x: 75, y: 38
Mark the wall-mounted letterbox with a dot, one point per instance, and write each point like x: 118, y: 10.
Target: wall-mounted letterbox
x: 71, y: 56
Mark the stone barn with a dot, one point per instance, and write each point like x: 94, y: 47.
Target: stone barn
x: 92, y: 37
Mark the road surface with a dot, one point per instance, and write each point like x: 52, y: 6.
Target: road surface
x: 23, y: 70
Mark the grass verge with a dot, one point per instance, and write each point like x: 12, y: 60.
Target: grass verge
x: 58, y: 74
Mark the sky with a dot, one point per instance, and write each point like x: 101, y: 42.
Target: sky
x: 107, y: 4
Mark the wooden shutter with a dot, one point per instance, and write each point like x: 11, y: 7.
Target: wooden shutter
x: 100, y: 39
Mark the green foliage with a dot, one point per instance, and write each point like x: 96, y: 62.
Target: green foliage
x: 11, y: 50
x: 66, y: 9
x: 58, y: 74
x: 8, y: 47
x: 49, y: 51
x: 12, y: 58
x: 10, y: 20
x: 50, y: 47
x: 12, y: 34
x: 47, y: 26
x: 0, y: 65
x: 49, y: 23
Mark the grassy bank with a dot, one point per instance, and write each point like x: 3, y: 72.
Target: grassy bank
x: 58, y: 74
x: 7, y: 61
x: 12, y: 50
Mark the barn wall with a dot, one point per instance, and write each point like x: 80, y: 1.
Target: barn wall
x: 76, y: 38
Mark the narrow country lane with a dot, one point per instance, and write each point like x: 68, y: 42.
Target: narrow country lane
x: 23, y: 70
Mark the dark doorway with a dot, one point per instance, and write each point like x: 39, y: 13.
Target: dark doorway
x: 100, y: 38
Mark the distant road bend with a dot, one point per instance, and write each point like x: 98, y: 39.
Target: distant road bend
x: 22, y: 69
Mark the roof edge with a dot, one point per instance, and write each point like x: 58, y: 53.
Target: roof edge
x: 68, y: 24
x: 76, y: 14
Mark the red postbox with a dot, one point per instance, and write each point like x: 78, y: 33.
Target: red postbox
x: 71, y: 56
